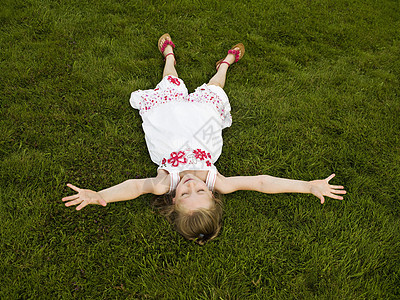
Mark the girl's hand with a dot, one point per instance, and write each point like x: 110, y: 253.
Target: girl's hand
x: 83, y: 198
x: 321, y: 188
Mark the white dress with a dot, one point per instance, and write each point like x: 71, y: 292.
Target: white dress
x: 183, y: 131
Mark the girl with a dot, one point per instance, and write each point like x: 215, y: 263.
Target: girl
x: 183, y: 134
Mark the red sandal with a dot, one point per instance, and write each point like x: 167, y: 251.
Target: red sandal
x: 238, y: 54
x: 163, y: 42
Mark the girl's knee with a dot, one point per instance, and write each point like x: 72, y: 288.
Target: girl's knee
x: 216, y: 84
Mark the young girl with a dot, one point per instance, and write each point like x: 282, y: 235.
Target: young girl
x: 183, y: 134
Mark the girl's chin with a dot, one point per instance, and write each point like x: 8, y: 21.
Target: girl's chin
x: 188, y: 176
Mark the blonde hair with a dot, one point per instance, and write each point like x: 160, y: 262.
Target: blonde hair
x: 200, y: 226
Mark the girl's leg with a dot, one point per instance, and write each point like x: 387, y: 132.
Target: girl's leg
x: 169, y: 68
x: 219, y: 78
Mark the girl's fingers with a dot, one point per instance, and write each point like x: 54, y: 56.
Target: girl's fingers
x: 330, y: 177
x: 337, y: 187
x: 75, y: 188
x: 73, y: 197
x: 333, y: 196
x: 342, y: 192
x: 75, y: 202
x: 82, y: 205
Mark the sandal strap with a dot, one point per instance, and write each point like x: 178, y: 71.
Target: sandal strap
x: 165, y: 44
x: 165, y: 57
x: 236, y: 53
x: 223, y: 62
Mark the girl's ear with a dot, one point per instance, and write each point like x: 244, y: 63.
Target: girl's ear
x: 173, y: 200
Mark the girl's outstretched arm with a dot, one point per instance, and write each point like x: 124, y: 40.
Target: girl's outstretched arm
x: 273, y: 185
x: 127, y: 190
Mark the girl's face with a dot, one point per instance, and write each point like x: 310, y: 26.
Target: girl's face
x: 192, y: 194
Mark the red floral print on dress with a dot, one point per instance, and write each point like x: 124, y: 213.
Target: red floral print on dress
x: 189, y: 156
x: 177, y: 158
x: 174, y: 80
x: 202, y: 155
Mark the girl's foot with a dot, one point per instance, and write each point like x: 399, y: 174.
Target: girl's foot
x: 234, y: 55
x: 166, y: 47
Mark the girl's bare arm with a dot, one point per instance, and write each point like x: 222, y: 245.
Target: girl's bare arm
x: 127, y: 190
x: 132, y: 189
x: 273, y: 185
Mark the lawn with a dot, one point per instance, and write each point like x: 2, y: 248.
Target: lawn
x: 317, y: 92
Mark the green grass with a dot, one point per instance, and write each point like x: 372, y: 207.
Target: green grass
x: 317, y: 92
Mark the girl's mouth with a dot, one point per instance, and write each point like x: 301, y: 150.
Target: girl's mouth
x: 188, y: 180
